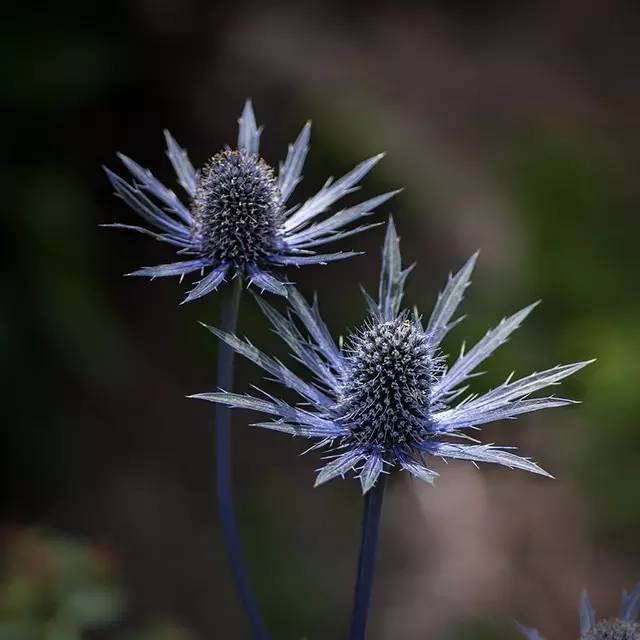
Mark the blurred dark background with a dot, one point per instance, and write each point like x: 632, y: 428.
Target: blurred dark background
x: 513, y: 128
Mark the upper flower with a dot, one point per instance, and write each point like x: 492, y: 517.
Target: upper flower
x: 626, y: 627
x: 386, y: 396
x: 238, y: 219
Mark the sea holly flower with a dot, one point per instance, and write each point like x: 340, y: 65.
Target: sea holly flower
x: 238, y: 220
x: 624, y: 627
x: 385, y: 397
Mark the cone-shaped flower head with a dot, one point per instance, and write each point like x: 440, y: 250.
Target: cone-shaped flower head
x: 625, y: 627
x: 238, y: 219
x: 237, y: 210
x: 387, y: 397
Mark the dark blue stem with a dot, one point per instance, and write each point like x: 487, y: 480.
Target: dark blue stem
x: 367, y: 559
x: 226, y: 509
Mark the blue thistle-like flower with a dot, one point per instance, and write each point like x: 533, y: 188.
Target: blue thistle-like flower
x: 386, y: 397
x: 238, y: 221
x: 625, y: 627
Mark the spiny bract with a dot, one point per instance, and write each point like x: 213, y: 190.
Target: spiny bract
x: 238, y: 221
x: 387, y: 398
x: 625, y: 627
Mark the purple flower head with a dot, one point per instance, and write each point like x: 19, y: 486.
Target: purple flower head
x: 238, y: 220
x: 386, y: 398
x: 624, y: 627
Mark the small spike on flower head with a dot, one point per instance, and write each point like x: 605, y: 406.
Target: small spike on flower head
x: 625, y: 627
x: 386, y: 398
x: 238, y: 220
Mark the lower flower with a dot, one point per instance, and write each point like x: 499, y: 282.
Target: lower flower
x: 385, y: 397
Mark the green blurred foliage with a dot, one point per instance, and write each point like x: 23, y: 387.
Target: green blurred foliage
x: 53, y: 587
x: 580, y: 212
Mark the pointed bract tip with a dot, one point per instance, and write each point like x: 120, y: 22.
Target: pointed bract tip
x: 113, y: 177
x: 170, y: 141
x: 366, y: 487
x: 189, y: 298
x: 209, y: 397
x: 391, y: 228
x: 370, y: 162
x: 587, y: 613
x: 528, y: 632
x: 519, y: 626
x: 523, y: 313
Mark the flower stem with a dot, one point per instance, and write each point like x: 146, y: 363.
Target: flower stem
x: 367, y: 559
x: 226, y: 509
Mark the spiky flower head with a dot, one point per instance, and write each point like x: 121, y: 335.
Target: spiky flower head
x: 387, y: 398
x: 625, y: 627
x: 388, y: 387
x: 237, y: 210
x: 238, y: 220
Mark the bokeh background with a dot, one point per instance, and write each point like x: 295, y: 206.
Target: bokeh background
x: 513, y: 127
